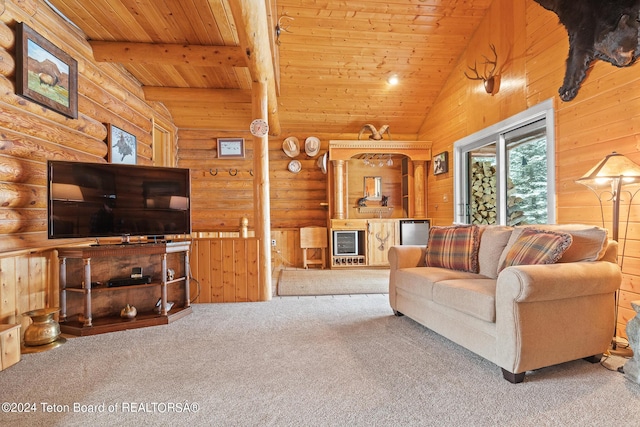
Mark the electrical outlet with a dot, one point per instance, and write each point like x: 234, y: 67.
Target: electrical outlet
x: 273, y: 242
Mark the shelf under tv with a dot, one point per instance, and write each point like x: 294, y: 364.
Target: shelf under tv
x: 106, y: 324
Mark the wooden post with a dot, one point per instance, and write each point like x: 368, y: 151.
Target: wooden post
x: 253, y: 32
x: 338, y: 179
x: 261, y: 192
x: 419, y: 188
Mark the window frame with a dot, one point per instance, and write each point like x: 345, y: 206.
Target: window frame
x: 495, y: 134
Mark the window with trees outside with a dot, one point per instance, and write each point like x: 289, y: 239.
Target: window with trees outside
x: 505, y: 174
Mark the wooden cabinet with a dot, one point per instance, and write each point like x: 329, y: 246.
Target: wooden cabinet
x: 88, y: 305
x: 9, y: 345
x: 373, y: 239
x: 381, y: 235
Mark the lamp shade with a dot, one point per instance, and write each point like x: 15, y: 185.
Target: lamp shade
x: 614, y: 166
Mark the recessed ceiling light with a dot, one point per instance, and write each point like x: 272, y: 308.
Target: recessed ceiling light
x: 393, y: 80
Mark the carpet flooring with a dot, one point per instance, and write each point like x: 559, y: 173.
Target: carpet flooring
x: 332, y: 282
x: 299, y: 361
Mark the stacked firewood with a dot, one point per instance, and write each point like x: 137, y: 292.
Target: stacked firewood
x: 483, y: 196
x: 483, y: 193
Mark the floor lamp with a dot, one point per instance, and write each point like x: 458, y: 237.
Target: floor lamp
x: 606, y: 180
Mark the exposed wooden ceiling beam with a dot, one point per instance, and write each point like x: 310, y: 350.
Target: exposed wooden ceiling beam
x: 164, y: 53
x: 251, y: 20
x: 201, y: 95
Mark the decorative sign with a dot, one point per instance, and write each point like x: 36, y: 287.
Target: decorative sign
x: 230, y: 148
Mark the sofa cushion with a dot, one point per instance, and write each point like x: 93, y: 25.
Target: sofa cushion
x: 419, y: 280
x: 453, y: 247
x: 476, y: 297
x: 492, y: 243
x: 589, y: 242
x: 534, y: 246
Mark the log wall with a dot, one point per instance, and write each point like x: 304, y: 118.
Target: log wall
x: 31, y: 134
x: 532, y: 48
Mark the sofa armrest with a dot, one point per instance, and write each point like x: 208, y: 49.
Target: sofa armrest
x: 549, y: 314
x: 406, y: 256
x: 530, y: 283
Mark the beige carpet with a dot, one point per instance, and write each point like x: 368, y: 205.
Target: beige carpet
x: 332, y: 282
x: 321, y: 361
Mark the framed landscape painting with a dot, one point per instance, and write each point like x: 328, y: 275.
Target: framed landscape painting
x: 44, y: 73
x: 122, y: 146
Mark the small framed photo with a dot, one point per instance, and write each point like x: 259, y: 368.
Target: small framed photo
x: 230, y: 148
x: 44, y: 73
x: 122, y: 146
x: 441, y: 163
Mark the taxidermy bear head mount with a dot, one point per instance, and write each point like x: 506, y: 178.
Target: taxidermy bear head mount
x: 598, y: 29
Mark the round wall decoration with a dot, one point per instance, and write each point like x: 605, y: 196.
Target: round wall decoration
x: 294, y: 166
x: 259, y: 127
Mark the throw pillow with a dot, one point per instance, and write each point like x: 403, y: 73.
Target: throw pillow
x: 455, y: 248
x: 492, y: 243
x: 589, y: 242
x: 535, y: 246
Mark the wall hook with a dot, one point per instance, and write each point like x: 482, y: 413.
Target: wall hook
x: 233, y: 172
x: 211, y: 172
x: 251, y: 172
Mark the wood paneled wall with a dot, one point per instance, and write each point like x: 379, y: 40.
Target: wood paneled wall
x: 532, y: 48
x: 226, y: 270
x: 31, y: 134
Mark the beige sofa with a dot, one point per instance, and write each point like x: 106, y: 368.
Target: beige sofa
x: 523, y: 317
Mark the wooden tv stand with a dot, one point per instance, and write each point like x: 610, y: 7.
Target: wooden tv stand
x: 88, y: 306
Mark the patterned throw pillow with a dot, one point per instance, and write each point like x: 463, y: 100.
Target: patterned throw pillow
x: 537, y: 247
x: 455, y: 248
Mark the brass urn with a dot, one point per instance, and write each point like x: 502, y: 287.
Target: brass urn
x: 44, y: 329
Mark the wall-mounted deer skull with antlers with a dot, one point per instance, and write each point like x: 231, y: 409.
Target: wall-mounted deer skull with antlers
x: 489, y: 76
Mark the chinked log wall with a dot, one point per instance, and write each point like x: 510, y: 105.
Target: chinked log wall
x: 31, y: 134
x: 532, y: 48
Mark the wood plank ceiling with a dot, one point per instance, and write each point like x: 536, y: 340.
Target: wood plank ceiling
x: 331, y: 60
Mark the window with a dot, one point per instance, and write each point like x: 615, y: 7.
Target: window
x: 504, y: 174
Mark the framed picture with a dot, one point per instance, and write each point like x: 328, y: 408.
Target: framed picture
x: 230, y: 148
x: 122, y: 146
x: 44, y: 73
x: 441, y: 163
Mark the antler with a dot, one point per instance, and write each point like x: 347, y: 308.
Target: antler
x: 280, y: 28
x: 487, y: 75
x: 375, y: 134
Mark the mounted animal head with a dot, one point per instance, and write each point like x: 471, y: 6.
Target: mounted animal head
x: 606, y: 30
x: 488, y: 76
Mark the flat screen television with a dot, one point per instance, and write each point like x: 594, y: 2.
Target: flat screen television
x: 92, y: 200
